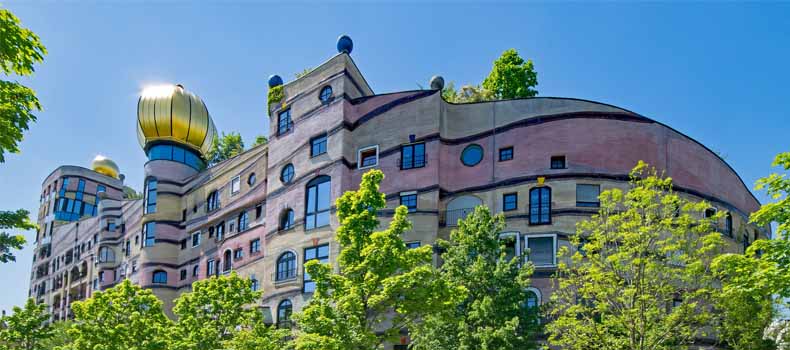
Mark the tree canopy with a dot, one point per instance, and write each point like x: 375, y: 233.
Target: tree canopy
x: 20, y: 220
x: 26, y: 328
x: 225, y: 147
x: 510, y: 77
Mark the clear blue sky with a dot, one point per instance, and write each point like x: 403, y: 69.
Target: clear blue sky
x: 717, y: 72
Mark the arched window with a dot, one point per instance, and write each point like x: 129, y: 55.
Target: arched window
x: 228, y: 261
x: 251, y: 179
x: 286, y: 267
x: 728, y: 225
x: 533, y: 298
x: 243, y: 221
x: 540, y: 206
x: 284, y: 311
x: 150, y: 196
x: 106, y: 254
x: 160, y: 277
x: 317, y: 203
x: 287, y: 219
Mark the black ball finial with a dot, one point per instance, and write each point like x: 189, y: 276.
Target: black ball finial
x: 437, y: 82
x: 344, y: 44
x: 275, y: 80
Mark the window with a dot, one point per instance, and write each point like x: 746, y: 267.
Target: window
x: 255, y: 245
x: 533, y: 300
x: 509, y: 201
x: 210, y: 268
x: 728, y: 224
x: 541, y: 249
x: 409, y: 199
x: 238, y: 254
x: 258, y: 211
x: 235, y: 185
x: 178, y: 154
x: 228, y: 265
x: 287, y: 219
x: 318, y: 145
x: 286, y: 267
x: 710, y: 212
x: 413, y: 245
x: 160, y: 277
x: 284, y: 311
x: 212, y: 202
x: 587, y: 195
x: 211, y: 232
x: 251, y: 179
x: 326, y: 94
x: 506, y: 154
x: 195, y: 270
x: 100, y: 188
x: 287, y: 174
x: 150, y: 196
x: 243, y: 221
x: 412, y: 156
x: 284, y: 123
x: 195, y: 239
x: 106, y: 254
x: 128, y: 250
x: 149, y: 234
x: 220, y: 230
x: 183, y: 274
x: 320, y: 253
x: 317, y: 203
x: 558, y: 162
x: 472, y: 155
x: 540, y: 206
x: 368, y: 157
x: 254, y: 285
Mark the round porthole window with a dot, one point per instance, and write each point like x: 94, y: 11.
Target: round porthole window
x: 472, y: 155
x: 287, y: 175
x: 326, y: 94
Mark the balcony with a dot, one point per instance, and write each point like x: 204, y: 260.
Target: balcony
x: 451, y: 217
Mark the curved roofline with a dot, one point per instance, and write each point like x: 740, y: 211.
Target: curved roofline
x: 628, y: 111
x: 79, y: 167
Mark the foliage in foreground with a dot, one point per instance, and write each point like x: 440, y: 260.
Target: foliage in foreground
x: 26, y: 328
x: 382, y: 286
x: 641, y: 278
x: 494, y: 315
x: 20, y: 220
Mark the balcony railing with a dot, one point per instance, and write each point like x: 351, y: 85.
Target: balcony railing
x: 451, y: 217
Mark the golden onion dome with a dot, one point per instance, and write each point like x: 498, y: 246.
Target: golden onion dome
x: 170, y: 113
x: 106, y: 166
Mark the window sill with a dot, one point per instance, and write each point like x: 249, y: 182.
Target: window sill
x: 539, y: 223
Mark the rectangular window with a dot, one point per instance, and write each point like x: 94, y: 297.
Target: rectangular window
x: 540, y: 206
x: 320, y: 253
x: 542, y: 249
x: 212, y: 202
x: 509, y: 201
x: 587, y: 195
x: 183, y: 274
x: 196, y: 239
x: 284, y: 123
x: 150, y: 196
x: 558, y: 162
x: 195, y: 270
x: 149, y: 234
x: 238, y: 254
x: 409, y: 199
x: 183, y: 244
x: 368, y: 157
x: 210, y: 268
x: 235, y: 185
x: 128, y: 248
x: 318, y: 145
x: 255, y: 245
x: 505, y: 154
x: 412, y: 245
x: 412, y: 156
x: 211, y: 232
x: 258, y: 211
x: 220, y: 230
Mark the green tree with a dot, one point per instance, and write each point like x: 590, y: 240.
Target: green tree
x: 225, y: 147
x: 260, y: 336
x: 13, y: 220
x: 381, y: 288
x: 60, y: 336
x: 213, y: 312
x: 27, y: 328
x: 303, y: 72
x: 467, y: 94
x: 494, y: 315
x: 123, y: 317
x: 20, y: 50
x: 641, y: 278
x: 260, y: 140
x: 512, y: 77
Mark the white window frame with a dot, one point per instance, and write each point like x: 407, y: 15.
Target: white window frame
x: 518, y: 239
x: 359, y: 157
x: 526, y: 238
x: 192, y: 239
x: 236, y: 180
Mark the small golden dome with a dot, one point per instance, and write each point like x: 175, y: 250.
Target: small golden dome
x: 170, y: 113
x: 106, y: 166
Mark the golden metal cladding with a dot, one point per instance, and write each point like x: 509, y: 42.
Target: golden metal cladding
x: 170, y: 113
x: 106, y: 166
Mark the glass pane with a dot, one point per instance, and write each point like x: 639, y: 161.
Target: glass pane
x: 323, y: 251
x: 311, y: 194
x: 323, y: 196
x: 322, y: 219
x: 541, y: 250
x: 419, y: 155
x: 309, y: 254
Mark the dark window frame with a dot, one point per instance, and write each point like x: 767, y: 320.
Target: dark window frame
x: 510, y: 198
x: 289, y: 172
x: 285, y: 269
x: 319, y: 145
x: 325, y: 94
x: 587, y: 204
x: 306, y: 279
x: 410, y: 201
x: 157, y: 278
x: 506, y: 154
x: 312, y: 215
x: 284, y: 122
x: 555, y: 162
x: 414, y: 161
x: 538, y: 219
x: 469, y: 148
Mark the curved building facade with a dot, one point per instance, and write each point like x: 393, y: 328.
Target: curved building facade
x: 264, y: 213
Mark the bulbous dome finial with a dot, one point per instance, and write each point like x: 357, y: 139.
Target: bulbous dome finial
x: 275, y: 80
x: 437, y: 82
x: 106, y: 166
x: 172, y: 114
x: 345, y: 44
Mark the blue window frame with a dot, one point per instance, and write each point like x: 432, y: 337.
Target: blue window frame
x: 177, y: 154
x: 318, y: 145
x: 243, y: 221
x: 287, y: 174
x: 150, y: 196
x: 284, y: 123
x: 472, y: 155
x: 326, y: 94
x: 510, y: 201
x: 413, y: 245
x: 505, y: 154
x: 160, y: 277
x: 320, y: 253
x: 410, y: 201
x: 412, y: 156
x: 149, y: 234
x: 540, y: 206
x: 318, y: 203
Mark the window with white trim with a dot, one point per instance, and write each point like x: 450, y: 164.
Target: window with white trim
x: 195, y: 239
x: 235, y: 185
x: 368, y: 157
x: 541, y: 249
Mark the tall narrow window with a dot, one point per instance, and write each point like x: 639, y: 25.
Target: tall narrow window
x: 587, y: 195
x: 228, y: 261
x: 318, y: 145
x: 317, y: 203
x: 212, y: 202
x: 286, y: 267
x: 540, y: 206
x: 412, y: 156
x: 284, y: 123
x: 255, y: 246
x: 149, y: 234
x: 220, y: 230
x: 284, y: 311
x: 320, y: 253
x: 196, y: 239
x: 287, y: 219
x: 728, y: 225
x: 210, y: 268
x: 243, y: 221
x: 150, y: 196
x: 235, y: 185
